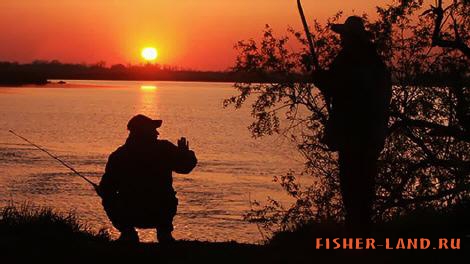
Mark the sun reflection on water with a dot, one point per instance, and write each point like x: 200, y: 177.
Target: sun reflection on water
x: 148, y: 99
x: 148, y: 87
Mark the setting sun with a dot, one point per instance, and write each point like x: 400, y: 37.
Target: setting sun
x: 149, y: 54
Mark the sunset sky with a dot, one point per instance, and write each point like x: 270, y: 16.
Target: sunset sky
x: 196, y: 34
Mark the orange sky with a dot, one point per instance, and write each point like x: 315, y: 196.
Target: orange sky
x: 197, y: 34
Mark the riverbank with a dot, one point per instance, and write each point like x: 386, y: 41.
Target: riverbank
x: 20, y: 79
x: 12, y: 73
x: 40, y: 234
x: 40, y: 70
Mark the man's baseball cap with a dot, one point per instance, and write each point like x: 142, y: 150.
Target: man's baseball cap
x: 142, y: 122
x: 353, y: 25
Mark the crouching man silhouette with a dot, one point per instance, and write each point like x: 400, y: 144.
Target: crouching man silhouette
x: 137, y: 186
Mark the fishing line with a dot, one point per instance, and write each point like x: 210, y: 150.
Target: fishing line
x: 95, y: 186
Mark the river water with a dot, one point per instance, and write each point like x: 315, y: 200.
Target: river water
x: 82, y: 122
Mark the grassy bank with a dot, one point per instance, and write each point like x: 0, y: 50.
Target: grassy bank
x: 29, y: 233
x: 428, y: 224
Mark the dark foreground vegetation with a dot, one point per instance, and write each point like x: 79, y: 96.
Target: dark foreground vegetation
x: 40, y: 234
x: 425, y: 162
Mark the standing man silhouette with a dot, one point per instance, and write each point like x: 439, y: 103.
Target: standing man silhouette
x: 358, y: 84
x: 137, y: 186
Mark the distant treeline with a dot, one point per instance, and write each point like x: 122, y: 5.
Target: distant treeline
x: 38, y: 72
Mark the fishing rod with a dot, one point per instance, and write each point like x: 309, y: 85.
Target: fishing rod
x: 95, y: 186
x: 313, y: 54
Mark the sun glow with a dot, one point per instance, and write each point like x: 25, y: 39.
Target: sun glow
x: 149, y: 53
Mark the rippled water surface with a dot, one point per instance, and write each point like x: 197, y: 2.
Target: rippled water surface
x: 83, y: 121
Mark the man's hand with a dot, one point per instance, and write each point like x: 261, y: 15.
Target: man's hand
x: 321, y: 80
x: 183, y: 144
x: 98, y: 190
x: 318, y: 77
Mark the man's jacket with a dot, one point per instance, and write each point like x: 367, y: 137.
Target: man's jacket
x: 138, y: 178
x: 358, y: 82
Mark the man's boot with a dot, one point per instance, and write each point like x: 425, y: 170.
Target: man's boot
x: 165, y: 237
x: 129, y: 235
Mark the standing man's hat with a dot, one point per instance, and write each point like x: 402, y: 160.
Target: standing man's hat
x: 353, y: 25
x: 141, y: 122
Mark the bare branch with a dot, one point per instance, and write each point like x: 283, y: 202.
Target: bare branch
x: 436, y: 129
x: 437, y: 39
x: 426, y: 198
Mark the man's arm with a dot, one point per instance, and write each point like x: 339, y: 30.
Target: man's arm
x: 329, y: 81
x: 183, y: 160
x: 325, y: 81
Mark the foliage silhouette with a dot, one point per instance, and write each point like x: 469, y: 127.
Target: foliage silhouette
x: 425, y: 162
